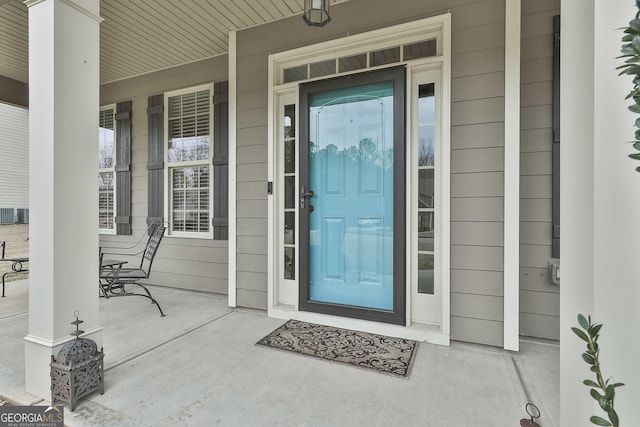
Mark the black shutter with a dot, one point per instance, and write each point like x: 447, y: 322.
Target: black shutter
x: 123, y: 168
x: 155, y: 160
x: 220, y: 220
x: 555, y: 200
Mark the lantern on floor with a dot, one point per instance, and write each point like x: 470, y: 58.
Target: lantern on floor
x: 78, y: 370
x: 316, y: 13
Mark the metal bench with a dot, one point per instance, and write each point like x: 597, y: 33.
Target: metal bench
x: 17, y: 266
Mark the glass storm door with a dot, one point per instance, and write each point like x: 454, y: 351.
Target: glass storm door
x: 351, y: 196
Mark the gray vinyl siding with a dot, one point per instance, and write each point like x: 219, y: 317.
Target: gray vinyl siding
x: 539, y: 300
x: 477, y: 180
x: 14, y: 157
x: 195, y: 264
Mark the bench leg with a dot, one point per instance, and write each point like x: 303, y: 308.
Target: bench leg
x: 11, y: 272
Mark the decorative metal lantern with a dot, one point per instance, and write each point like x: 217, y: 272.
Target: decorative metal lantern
x: 78, y: 370
x: 316, y: 13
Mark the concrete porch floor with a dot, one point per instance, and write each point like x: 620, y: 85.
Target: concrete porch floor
x: 200, y: 366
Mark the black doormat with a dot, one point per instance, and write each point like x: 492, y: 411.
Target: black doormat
x: 388, y: 355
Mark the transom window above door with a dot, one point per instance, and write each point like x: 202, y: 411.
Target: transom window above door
x: 361, y: 61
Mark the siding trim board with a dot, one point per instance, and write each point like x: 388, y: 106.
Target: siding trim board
x: 511, y: 175
x: 233, y: 142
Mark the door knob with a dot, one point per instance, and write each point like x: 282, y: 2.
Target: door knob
x: 304, y: 195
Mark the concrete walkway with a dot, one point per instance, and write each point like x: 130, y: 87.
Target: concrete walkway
x: 199, y: 366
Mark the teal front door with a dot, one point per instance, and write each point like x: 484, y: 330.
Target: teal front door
x: 352, y: 204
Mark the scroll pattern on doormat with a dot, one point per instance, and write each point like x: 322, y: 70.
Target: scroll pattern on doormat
x: 388, y: 355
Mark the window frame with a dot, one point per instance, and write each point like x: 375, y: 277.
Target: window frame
x: 112, y: 169
x: 170, y: 167
x: 288, y: 293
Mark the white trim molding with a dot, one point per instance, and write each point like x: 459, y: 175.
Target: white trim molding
x: 232, y: 193
x: 512, y: 176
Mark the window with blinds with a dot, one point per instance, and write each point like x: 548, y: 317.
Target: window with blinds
x: 189, y: 148
x: 106, y: 170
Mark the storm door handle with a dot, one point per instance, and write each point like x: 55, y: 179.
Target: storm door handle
x: 303, y: 197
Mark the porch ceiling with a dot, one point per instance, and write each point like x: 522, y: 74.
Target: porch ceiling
x: 141, y: 36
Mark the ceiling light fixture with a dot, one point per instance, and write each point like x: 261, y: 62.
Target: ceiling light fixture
x: 316, y: 13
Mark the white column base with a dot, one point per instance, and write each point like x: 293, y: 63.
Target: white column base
x: 37, y: 356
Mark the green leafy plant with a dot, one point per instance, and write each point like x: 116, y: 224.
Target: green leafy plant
x: 631, y: 51
x: 602, y: 391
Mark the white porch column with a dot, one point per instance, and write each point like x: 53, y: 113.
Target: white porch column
x: 512, y: 175
x: 600, y: 208
x: 63, y: 192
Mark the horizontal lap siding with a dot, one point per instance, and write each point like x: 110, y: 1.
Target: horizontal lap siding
x: 14, y: 157
x: 477, y: 148
x: 195, y: 264
x: 477, y: 177
x: 539, y: 300
x: 251, y: 198
x: 251, y: 205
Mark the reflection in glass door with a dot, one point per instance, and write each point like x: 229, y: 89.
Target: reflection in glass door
x: 426, y: 198
x: 351, y: 226
x: 289, y: 161
x: 352, y: 196
x: 426, y: 194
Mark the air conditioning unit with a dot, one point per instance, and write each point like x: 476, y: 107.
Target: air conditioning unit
x: 7, y: 216
x: 23, y: 216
